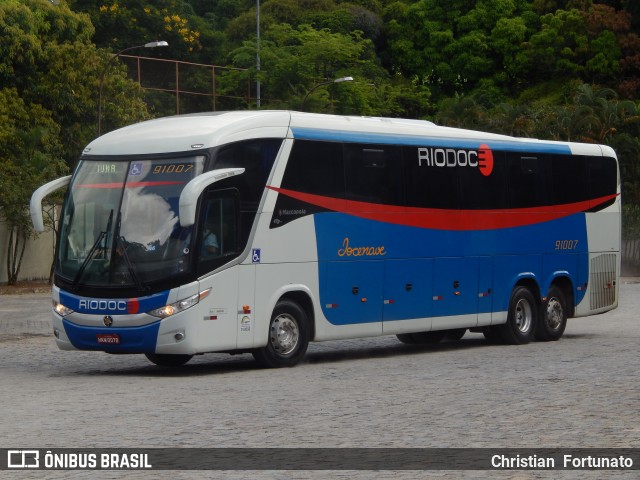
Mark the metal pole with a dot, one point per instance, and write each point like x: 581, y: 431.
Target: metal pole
x: 177, y: 90
x: 258, y: 54
x: 213, y: 86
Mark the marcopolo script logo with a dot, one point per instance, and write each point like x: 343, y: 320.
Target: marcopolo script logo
x: 23, y: 459
x: 482, y: 158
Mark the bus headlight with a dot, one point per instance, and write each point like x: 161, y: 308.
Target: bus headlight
x: 60, y: 309
x: 179, y: 306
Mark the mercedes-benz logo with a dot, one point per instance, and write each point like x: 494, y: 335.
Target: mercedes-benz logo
x: 107, y: 320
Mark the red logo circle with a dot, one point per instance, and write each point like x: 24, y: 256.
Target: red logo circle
x: 133, y: 305
x: 485, y: 160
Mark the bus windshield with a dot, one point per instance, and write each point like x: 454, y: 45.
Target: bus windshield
x: 120, y: 224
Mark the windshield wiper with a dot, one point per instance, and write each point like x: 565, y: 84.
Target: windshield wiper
x: 120, y: 242
x: 93, y: 250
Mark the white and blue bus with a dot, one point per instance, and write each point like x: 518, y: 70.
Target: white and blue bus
x: 260, y: 231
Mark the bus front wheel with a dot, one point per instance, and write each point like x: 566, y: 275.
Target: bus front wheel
x: 521, y: 318
x: 288, y: 337
x: 553, y: 316
x: 167, y: 360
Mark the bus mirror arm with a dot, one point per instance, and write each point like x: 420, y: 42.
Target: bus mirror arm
x: 192, y: 191
x: 35, y: 205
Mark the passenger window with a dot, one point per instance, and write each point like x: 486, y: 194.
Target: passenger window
x: 480, y: 192
x: 315, y: 167
x: 373, y: 173
x: 570, y: 179
x: 603, y: 175
x: 529, y: 181
x: 429, y: 186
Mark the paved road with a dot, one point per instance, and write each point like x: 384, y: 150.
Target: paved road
x: 582, y: 391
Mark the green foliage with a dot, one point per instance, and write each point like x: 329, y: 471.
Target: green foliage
x: 630, y: 221
x: 296, y: 60
x: 49, y: 72
x: 121, y: 25
x: 29, y: 156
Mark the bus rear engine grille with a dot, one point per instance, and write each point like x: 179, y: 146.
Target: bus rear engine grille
x: 603, y: 279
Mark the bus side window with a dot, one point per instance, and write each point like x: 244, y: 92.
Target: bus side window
x: 428, y: 185
x: 373, y: 173
x: 480, y: 192
x: 315, y: 167
x: 218, y: 233
x: 256, y: 157
x: 569, y: 174
x: 529, y: 181
x: 603, y: 176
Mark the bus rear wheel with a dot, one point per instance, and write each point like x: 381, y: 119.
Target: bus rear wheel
x: 288, y: 337
x: 521, y: 318
x: 166, y: 360
x: 553, y: 316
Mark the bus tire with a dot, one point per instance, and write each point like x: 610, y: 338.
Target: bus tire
x: 288, y: 337
x: 167, y: 360
x: 553, y: 316
x: 521, y: 318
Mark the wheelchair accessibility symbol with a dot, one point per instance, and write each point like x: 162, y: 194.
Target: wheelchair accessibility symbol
x: 136, y: 169
x: 255, y: 255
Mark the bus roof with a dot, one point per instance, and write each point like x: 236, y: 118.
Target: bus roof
x: 183, y: 133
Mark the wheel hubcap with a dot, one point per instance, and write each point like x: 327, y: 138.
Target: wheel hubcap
x: 284, y: 334
x: 523, y: 316
x: 554, y: 313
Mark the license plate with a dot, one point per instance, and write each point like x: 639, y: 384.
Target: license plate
x: 108, y: 338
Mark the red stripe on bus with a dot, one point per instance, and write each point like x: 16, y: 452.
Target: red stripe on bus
x: 441, y: 219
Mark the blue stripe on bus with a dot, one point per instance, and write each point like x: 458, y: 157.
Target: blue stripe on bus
x: 372, y: 271
x: 419, y: 141
x: 113, y: 306
x: 140, y: 339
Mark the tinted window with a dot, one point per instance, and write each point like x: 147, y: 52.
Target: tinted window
x: 256, y: 157
x: 569, y: 175
x: 603, y: 174
x: 373, y: 173
x: 428, y: 185
x: 480, y: 192
x: 529, y: 181
x: 315, y: 167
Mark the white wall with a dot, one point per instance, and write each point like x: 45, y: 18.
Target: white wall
x: 37, y: 259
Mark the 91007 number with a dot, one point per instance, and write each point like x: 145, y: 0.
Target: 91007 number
x: 173, y: 168
x: 566, y: 244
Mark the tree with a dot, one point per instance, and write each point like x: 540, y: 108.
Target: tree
x: 29, y: 156
x: 295, y: 60
x: 47, y: 56
x: 120, y: 24
x: 49, y: 72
